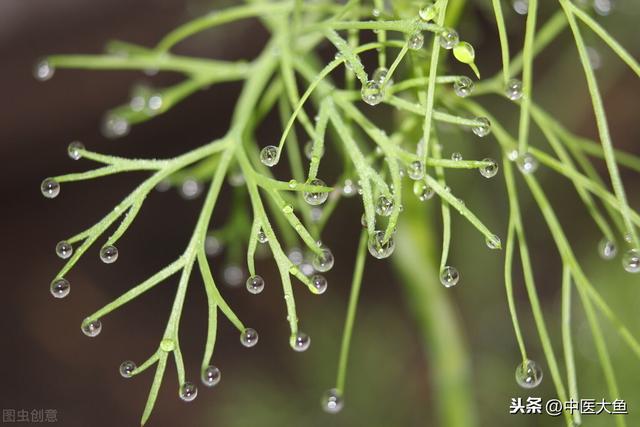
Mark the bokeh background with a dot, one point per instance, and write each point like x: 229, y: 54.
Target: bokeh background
x: 46, y: 362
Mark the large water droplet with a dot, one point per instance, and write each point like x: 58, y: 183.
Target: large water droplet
x: 380, y: 76
x: 210, y: 376
x: 372, y: 93
x: 190, y: 189
x: 316, y: 198
x: 493, y: 242
x: 416, y: 41
x: 233, y: 275
x: 631, y: 261
x: 415, y: 170
x: 255, y: 284
x: 269, y: 155
x: 188, y: 391
x: 448, y: 38
x: 300, y: 341
x: 126, y: 368
x: 50, y: 188
x: 422, y: 191
x: 73, y: 150
x: 490, y: 170
x: 513, y: 89
x: 449, y: 276
x: 324, y: 261
x: 60, y: 287
x: 384, y: 205
x: 319, y: 282
x: 528, y: 374
x: 249, y: 337
x: 378, y: 247
x: 332, y: 401
x: 115, y: 126
x: 463, y: 86
x: 482, y: 128
x: 109, y: 254
x: 428, y: 13
x: 607, y: 249
x: 43, y: 70
x: 91, y: 328
x: 64, y: 249
x: 527, y: 163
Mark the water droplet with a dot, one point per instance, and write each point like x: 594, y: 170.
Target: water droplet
x: 512, y: 155
x: 527, y: 163
x: 319, y: 282
x: 380, y: 76
x: 372, y: 93
x: 324, y: 261
x: 493, y: 242
x: 378, y: 248
x: 210, y: 376
x: 603, y: 7
x: 91, y: 328
x: 60, y: 287
x: 631, y: 261
x: 349, y: 188
x: 233, y: 275
x: 448, y: 38
x: 483, y: 127
x: 126, y: 368
x: 188, y: 391
x: 449, y: 276
x: 315, y: 198
x: 190, y: 189
x: 262, y: 236
x: 43, y: 70
x: 528, y: 374
x: 416, y: 40
x: 463, y: 86
x: 490, y: 170
x: 308, y: 150
x: 428, y: 13
x: 422, y: 191
x: 384, y: 205
x: 300, y: 341
x: 375, y: 12
x: 109, y: 254
x: 249, y: 337
x: 74, y: 150
x: 50, y: 188
x: 154, y: 104
x: 114, y: 126
x: 607, y: 249
x: 456, y: 156
x: 139, y: 96
x: 415, y: 170
x: 295, y: 256
x: 255, y: 284
x: 269, y: 155
x: 332, y: 401
x: 594, y: 57
x: 513, y: 89
x: 64, y: 249
x: 167, y: 345
x: 521, y: 7
x: 212, y: 246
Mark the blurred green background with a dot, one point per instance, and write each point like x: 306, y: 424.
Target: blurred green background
x: 394, y: 368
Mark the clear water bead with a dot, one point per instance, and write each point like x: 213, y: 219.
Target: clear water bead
x: 73, y: 150
x: 521, y: 7
x: 372, y: 93
x: 300, y: 341
x: 482, y: 128
x: 255, y: 284
x: 490, y: 170
x: 188, y: 391
x: 114, y: 126
x: 50, y: 188
x: 262, y: 236
x: 493, y: 242
x: 190, y: 189
x: 91, y: 328
x: 315, y: 198
x: 512, y: 155
x: 384, y: 205
x: 324, y: 261
x: 463, y: 86
x: 528, y: 374
x: 415, y: 170
x: 378, y: 248
x: 416, y: 41
x: 527, y: 163
x: 428, y: 13
x: 513, y: 89
x: 448, y: 38
x: 249, y: 337
x: 332, y: 401
x: 350, y: 188
x: 126, y: 368
x: 456, y: 156
x: 210, y: 376
x: 43, y: 70
x: 631, y: 261
x: 308, y: 150
x: 607, y: 249
x: 422, y: 191
x: 60, y: 287
x: 64, y: 249
x: 269, y: 155
x: 449, y: 276
x: 109, y: 254
x: 319, y: 282
x: 380, y: 76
